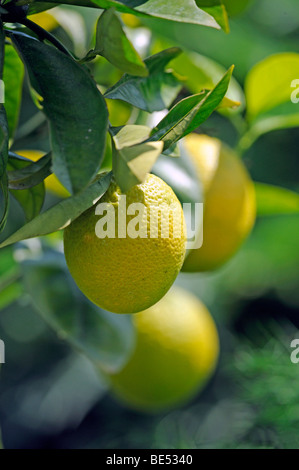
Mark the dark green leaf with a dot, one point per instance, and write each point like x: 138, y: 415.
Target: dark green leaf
x: 62, y: 214
x: 25, y: 176
x: 75, y: 108
x: 106, y: 339
x: 185, y: 11
x: 13, y: 79
x: 113, y: 44
x: 4, y: 201
x: 190, y: 113
x: 153, y: 93
x: 274, y: 200
x: 31, y: 200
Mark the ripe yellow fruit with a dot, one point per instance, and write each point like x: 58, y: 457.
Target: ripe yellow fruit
x: 229, y: 202
x: 127, y: 275
x: 176, y: 352
x: 52, y: 183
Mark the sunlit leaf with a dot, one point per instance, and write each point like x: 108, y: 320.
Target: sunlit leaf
x: 274, y: 200
x: 269, y: 83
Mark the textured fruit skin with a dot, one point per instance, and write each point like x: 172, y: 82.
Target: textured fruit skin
x: 229, y: 202
x: 176, y: 353
x: 125, y: 275
x: 51, y: 183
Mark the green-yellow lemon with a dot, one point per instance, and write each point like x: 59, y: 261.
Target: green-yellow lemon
x: 229, y: 202
x: 176, y: 352
x: 126, y: 272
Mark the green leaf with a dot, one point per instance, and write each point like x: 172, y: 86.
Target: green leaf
x: 4, y: 200
x: 104, y: 338
x: 153, y: 93
x: 130, y: 135
x: 274, y: 200
x: 202, y: 72
x: 133, y: 160
x: 264, y: 125
x: 185, y: 11
x: 216, y: 9
x: 24, y: 175
x: 75, y: 108
x: 62, y: 214
x: 269, y: 83
x: 132, y: 164
x: 13, y: 79
x: 113, y: 44
x: 31, y: 200
x: 39, y: 6
x: 190, y: 113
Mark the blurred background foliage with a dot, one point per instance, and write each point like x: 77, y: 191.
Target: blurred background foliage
x: 50, y: 395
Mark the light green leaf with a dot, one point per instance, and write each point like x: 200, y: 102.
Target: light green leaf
x: 132, y: 164
x: 132, y: 160
x: 75, y: 108
x: 13, y: 79
x: 185, y: 11
x: 153, y: 93
x: 104, y: 338
x: 269, y: 83
x: 274, y: 200
x: 130, y: 135
x: 62, y: 214
x: 264, y: 125
x: 113, y: 44
x: 190, y: 113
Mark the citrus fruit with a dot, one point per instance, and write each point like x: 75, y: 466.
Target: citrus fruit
x: 122, y: 272
x: 51, y: 183
x: 176, y: 352
x: 229, y: 202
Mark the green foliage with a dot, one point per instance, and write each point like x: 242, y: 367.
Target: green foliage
x: 273, y: 200
x: 113, y: 44
x: 30, y: 191
x: 184, y: 11
x: 78, y: 121
x: 268, y: 382
x: 131, y: 159
x: 268, y: 84
x: 153, y: 93
x: 13, y: 78
x: 62, y: 214
x: 105, y: 339
x: 189, y: 113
